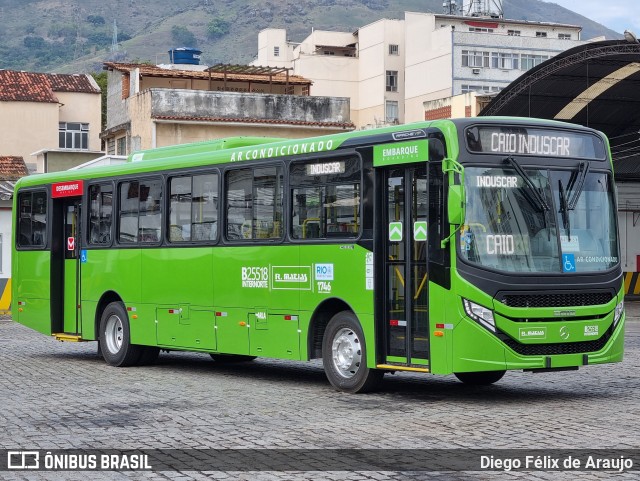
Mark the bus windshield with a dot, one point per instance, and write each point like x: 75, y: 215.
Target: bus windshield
x: 539, y: 220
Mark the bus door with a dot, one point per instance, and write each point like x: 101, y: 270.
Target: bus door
x: 66, y: 261
x: 404, y: 257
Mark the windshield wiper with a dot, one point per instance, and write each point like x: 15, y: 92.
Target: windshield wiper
x: 564, y: 209
x: 538, y: 199
x: 583, y: 170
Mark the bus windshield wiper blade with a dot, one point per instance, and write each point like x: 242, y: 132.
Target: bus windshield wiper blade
x: 539, y: 199
x: 564, y: 209
x: 583, y: 170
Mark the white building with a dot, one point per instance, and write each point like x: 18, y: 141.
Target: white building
x: 389, y: 68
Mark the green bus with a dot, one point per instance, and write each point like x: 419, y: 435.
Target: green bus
x: 467, y: 247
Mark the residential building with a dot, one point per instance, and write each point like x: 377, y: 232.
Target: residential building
x: 52, y: 121
x: 390, y: 67
x: 152, y: 106
x: 12, y: 167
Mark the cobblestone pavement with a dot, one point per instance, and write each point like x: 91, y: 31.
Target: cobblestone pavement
x: 62, y: 395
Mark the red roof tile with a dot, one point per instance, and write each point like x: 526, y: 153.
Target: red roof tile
x: 12, y: 167
x: 41, y: 87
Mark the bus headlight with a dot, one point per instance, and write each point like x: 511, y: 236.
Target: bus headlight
x: 480, y: 314
x: 618, y: 313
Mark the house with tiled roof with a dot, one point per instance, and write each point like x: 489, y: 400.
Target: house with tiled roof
x: 158, y: 105
x: 52, y: 121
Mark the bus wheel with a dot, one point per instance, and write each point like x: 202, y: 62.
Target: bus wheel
x: 481, y: 378
x: 344, y: 355
x: 115, y: 337
x: 229, y: 358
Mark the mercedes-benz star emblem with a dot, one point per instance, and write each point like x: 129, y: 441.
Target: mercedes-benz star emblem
x: 564, y: 332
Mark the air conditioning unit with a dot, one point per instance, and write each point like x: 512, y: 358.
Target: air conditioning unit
x: 476, y: 71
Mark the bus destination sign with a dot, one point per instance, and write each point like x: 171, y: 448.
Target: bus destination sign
x: 533, y: 141
x: 67, y: 189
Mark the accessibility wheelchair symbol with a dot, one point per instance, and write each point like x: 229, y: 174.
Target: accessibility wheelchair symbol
x: 568, y: 263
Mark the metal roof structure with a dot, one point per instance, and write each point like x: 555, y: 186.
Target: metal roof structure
x: 596, y: 84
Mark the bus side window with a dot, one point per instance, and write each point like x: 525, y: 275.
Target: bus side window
x: 100, y: 213
x: 32, y: 222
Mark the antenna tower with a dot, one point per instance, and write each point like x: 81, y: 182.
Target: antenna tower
x: 483, y: 8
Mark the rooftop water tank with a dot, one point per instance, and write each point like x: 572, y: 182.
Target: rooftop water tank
x: 185, y: 55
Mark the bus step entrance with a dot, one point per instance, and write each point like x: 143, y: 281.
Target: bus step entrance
x: 62, y: 336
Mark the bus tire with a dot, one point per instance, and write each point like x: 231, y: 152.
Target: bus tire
x: 480, y: 378
x: 231, y: 358
x: 115, y: 337
x: 344, y: 355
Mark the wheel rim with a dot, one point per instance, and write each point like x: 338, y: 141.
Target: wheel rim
x: 113, y: 334
x: 346, y: 353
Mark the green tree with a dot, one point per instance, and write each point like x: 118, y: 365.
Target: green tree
x: 183, y: 36
x: 95, y: 20
x: 101, y: 80
x: 218, y: 28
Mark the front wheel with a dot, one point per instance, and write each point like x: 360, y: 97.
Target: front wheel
x: 344, y: 355
x: 115, y: 337
x: 481, y: 378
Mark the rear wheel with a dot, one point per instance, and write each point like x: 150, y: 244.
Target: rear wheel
x: 481, y: 378
x: 344, y: 355
x: 115, y: 337
x: 230, y: 358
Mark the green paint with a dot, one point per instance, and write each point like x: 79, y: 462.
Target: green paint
x: 401, y: 153
x: 264, y: 300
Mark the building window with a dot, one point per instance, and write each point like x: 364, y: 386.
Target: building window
x: 541, y: 34
x: 513, y: 33
x: 392, y: 80
x: 473, y: 58
x: 481, y: 29
x: 564, y: 36
x: 111, y: 146
x: 481, y: 89
x: 121, y: 146
x: 504, y: 61
x: 73, y: 135
x: 391, y: 111
x: 276, y: 51
x: 394, y: 49
x: 528, y: 61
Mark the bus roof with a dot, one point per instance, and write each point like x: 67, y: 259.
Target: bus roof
x: 236, y: 149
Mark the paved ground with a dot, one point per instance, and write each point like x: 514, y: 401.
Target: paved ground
x: 61, y: 395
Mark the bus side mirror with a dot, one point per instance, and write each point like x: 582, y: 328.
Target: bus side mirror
x: 455, y: 208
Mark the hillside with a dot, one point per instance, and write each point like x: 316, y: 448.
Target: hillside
x: 76, y: 35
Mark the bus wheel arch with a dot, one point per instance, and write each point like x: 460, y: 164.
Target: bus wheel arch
x: 106, y: 299
x: 318, y: 324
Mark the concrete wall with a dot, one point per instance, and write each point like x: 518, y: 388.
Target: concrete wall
x: 85, y: 108
x: 197, y: 103
x: 26, y: 127
x: 629, y: 224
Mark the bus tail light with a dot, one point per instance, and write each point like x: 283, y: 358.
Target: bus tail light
x: 618, y: 313
x: 480, y: 314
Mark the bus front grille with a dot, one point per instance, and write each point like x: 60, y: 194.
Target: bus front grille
x: 556, y: 300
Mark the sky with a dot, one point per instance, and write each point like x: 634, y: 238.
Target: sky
x: 618, y: 15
